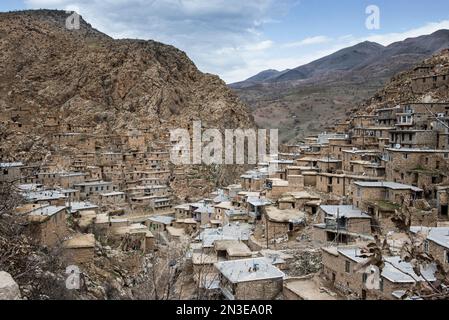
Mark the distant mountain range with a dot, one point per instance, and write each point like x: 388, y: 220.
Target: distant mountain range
x: 337, y: 81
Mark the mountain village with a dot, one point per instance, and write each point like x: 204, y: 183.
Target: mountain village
x: 358, y: 212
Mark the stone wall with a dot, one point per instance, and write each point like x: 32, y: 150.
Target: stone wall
x: 259, y: 290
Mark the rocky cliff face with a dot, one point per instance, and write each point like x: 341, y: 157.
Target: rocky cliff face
x: 83, y: 78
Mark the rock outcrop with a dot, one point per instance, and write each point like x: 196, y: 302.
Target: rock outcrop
x: 9, y: 289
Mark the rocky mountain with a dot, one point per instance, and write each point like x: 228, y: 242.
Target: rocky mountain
x: 85, y: 80
x: 306, y: 99
x: 399, y: 89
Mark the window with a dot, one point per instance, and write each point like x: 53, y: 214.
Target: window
x: 446, y: 256
x: 348, y: 267
x: 5, y: 172
x: 359, y: 192
x: 426, y: 246
x: 381, y: 284
x: 365, y: 277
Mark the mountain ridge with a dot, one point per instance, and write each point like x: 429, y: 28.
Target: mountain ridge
x: 359, y: 59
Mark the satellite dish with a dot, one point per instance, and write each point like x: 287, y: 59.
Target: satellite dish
x: 397, y: 146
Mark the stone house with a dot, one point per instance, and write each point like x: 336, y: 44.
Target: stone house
x: 337, y: 146
x: 11, y: 171
x: 189, y: 225
x: 307, y: 288
x: 231, y: 250
x: 442, y: 202
x: 296, y: 200
x: 255, y: 205
x: 135, y: 237
x: 364, y: 120
x: 221, y: 208
x: 418, y: 167
x: 341, y: 266
x: 252, y: 181
x: 389, y: 192
x: 235, y: 215
x: 88, y: 189
x: 340, y: 184
x: 80, y: 249
x: 280, y: 225
x: 372, y: 156
x: 158, y: 224
x: 52, y: 197
x: 113, y: 198
x: 276, y: 187
x: 387, y: 116
x: 311, y: 162
x: 249, y: 279
x: 436, y: 244
x: 397, y: 277
x: 413, y: 139
x: 47, y: 225
x: 426, y: 83
x: 341, y: 223
x: 329, y: 165
x: 183, y: 211
x: 374, y: 137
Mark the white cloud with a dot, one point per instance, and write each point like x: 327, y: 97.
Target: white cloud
x: 216, y: 34
x: 225, y: 37
x: 308, y: 41
x: 389, y: 38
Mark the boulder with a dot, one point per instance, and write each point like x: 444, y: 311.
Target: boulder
x: 9, y: 289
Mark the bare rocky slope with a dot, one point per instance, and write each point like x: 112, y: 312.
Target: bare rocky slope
x: 84, y: 78
x: 399, y: 89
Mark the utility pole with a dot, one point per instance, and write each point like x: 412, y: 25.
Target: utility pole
x: 338, y: 229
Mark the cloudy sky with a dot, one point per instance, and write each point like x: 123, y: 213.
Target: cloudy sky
x: 239, y: 38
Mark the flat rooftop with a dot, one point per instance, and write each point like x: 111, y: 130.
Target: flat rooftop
x: 386, y: 184
x: 344, y: 211
x: 247, y: 270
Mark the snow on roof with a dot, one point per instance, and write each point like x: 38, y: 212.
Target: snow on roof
x: 76, y: 206
x: 6, y: 165
x: 47, y: 211
x: 43, y: 195
x: 256, y: 202
x: 388, y: 185
x: 395, y: 270
x: 247, y: 270
x: 344, y: 212
x: 94, y: 183
x: 235, y: 231
x: 417, y: 150
x: 111, y: 194
x: 399, y: 271
x: 438, y: 235
x: 29, y: 187
x: 183, y: 207
x: 162, y: 219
